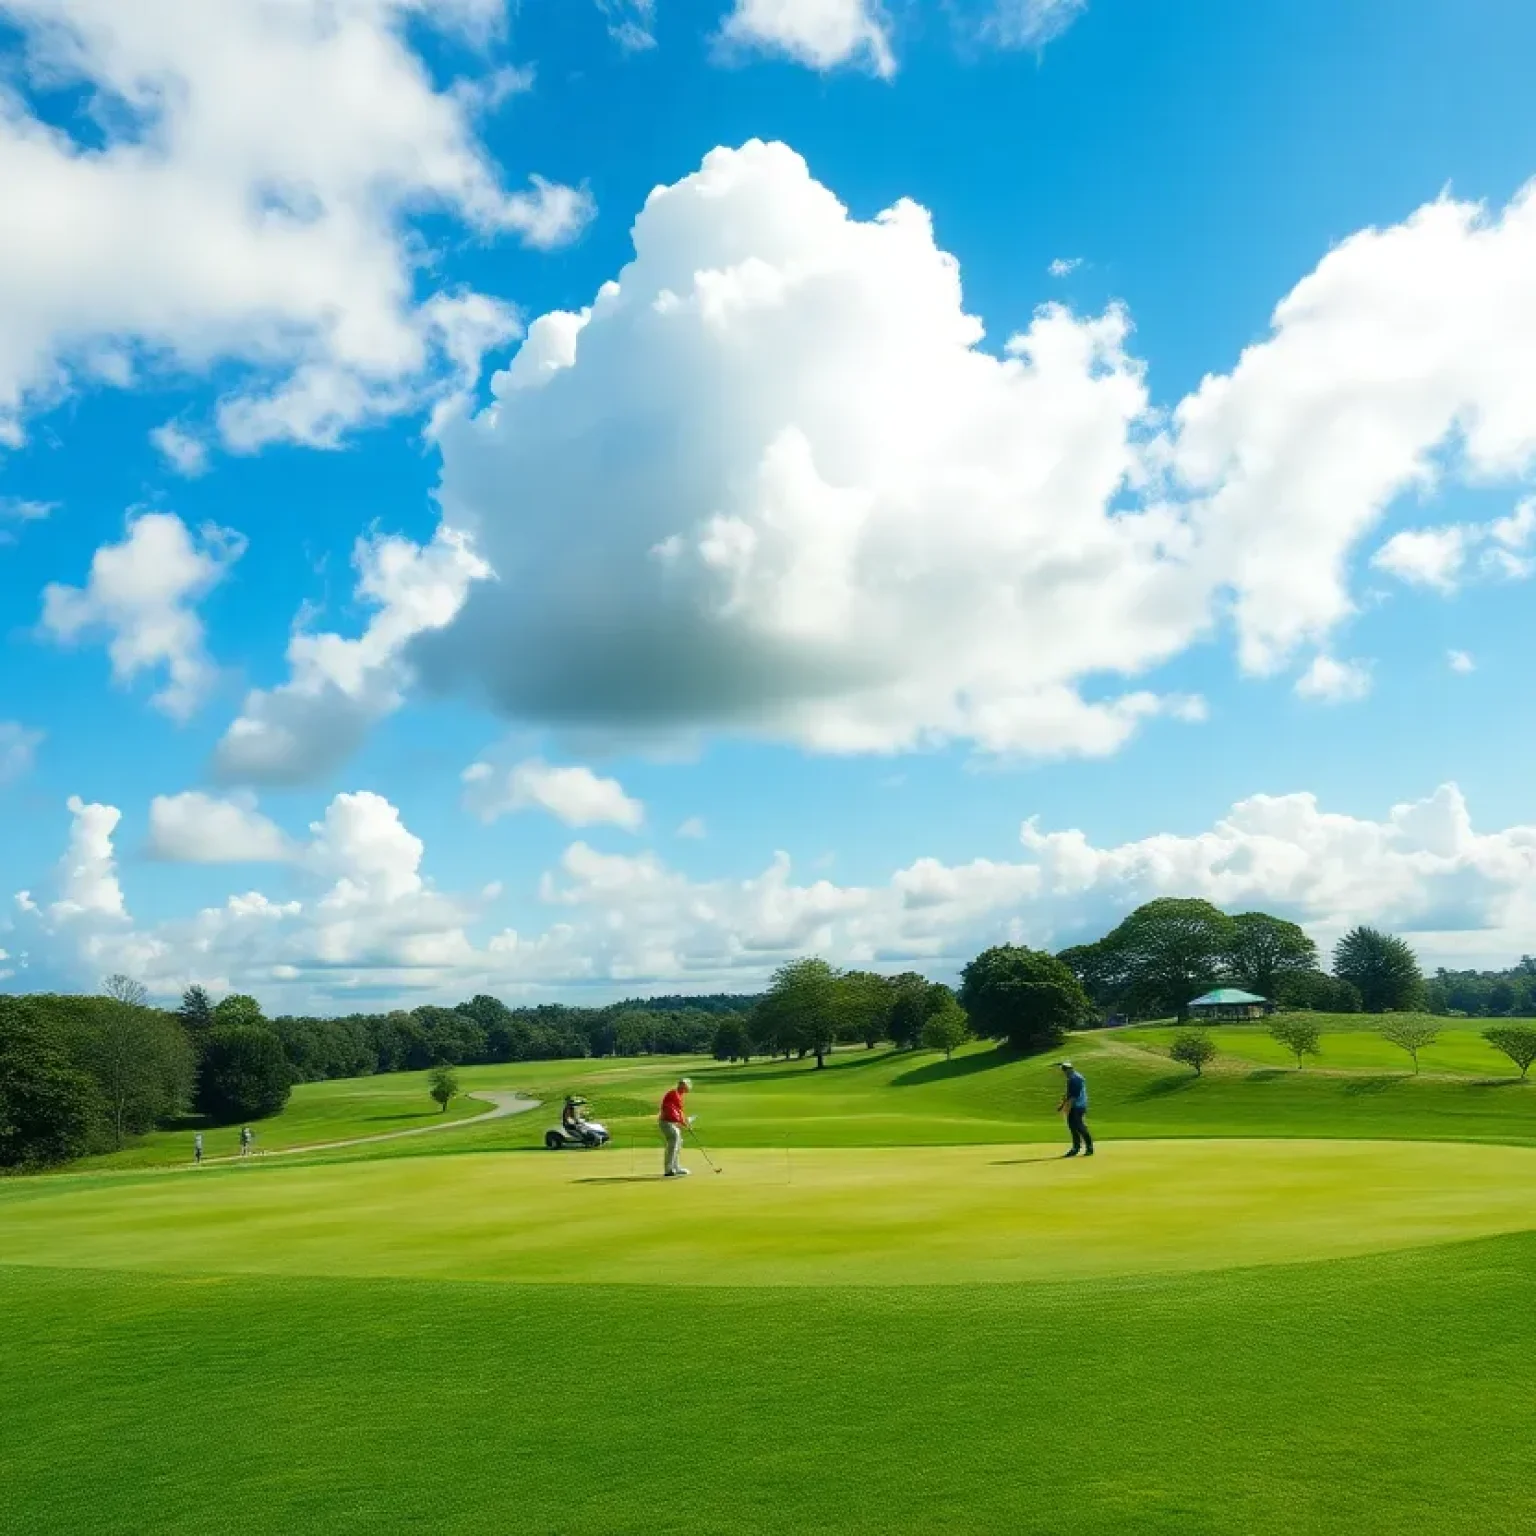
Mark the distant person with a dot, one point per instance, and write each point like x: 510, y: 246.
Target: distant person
x: 673, y: 1121
x: 1075, y: 1102
x: 197, y: 1148
x: 245, y: 1141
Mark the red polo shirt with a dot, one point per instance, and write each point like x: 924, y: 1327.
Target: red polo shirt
x: 672, y: 1107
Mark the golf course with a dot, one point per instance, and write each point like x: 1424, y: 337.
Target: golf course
x: 1276, y: 1300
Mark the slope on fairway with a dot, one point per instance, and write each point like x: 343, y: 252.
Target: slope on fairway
x: 1349, y: 1043
x: 881, y: 1216
x: 1375, y: 1396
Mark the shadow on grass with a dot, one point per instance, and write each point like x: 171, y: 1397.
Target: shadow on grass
x: 799, y: 1068
x: 1358, y: 1087
x: 1019, y: 1162
x: 960, y: 1066
x: 1502, y: 1082
x: 1269, y: 1074
x: 623, y: 1178
x: 415, y: 1114
x: 1162, y: 1087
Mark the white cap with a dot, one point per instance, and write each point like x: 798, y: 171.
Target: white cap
x: 1066, y: 1066
x: 685, y: 1082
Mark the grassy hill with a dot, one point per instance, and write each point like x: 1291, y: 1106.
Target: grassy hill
x: 1277, y: 1301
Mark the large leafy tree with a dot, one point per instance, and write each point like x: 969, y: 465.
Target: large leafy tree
x: 239, y: 1008
x: 1261, y: 949
x: 802, y: 1004
x: 915, y: 1001
x: 1316, y: 990
x: 1024, y: 996
x: 244, y: 1074
x: 1168, y: 952
x: 864, y: 1004
x: 142, y: 1061
x: 1381, y: 967
x: 48, y: 1107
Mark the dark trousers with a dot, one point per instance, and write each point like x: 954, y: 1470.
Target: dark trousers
x: 1077, y: 1123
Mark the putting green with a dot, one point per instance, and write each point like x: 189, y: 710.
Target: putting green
x: 871, y: 1216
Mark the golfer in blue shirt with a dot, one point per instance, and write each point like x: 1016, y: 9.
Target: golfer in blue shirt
x: 1075, y: 1103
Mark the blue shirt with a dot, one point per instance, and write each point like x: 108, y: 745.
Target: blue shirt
x: 1077, y: 1090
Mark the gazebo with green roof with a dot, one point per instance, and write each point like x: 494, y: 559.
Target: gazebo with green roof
x: 1228, y: 1005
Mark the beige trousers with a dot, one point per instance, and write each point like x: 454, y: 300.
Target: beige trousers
x: 672, y: 1135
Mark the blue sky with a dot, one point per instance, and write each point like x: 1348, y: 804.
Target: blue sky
x: 772, y: 549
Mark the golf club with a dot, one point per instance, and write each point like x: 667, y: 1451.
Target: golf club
x: 704, y: 1150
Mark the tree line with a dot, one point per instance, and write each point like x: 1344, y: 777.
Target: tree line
x: 79, y: 1074
x: 85, y: 1074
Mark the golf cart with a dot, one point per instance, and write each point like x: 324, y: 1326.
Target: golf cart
x: 575, y: 1130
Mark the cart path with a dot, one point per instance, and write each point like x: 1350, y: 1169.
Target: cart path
x: 504, y: 1104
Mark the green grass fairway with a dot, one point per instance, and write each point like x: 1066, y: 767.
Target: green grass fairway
x: 887, y: 1216
x: 1351, y: 1044
x: 317, y: 1112
x: 1276, y: 1302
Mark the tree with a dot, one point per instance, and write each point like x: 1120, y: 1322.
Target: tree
x: 239, y: 1009
x: 48, y: 1107
x: 1382, y: 967
x: 142, y: 1062
x: 1261, y: 949
x: 195, y: 1013
x: 443, y: 1085
x: 244, y: 1074
x: 946, y: 1029
x: 124, y: 989
x: 1517, y: 1041
x: 864, y: 1005
x: 802, y: 1000
x: 1023, y: 996
x: 731, y: 1042
x: 1301, y: 1037
x: 1193, y: 1047
x: 1166, y: 953
x: 914, y: 999
x: 1410, y: 1034
x: 1317, y: 991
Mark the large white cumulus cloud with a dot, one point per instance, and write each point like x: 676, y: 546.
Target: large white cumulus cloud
x: 367, y: 921
x: 773, y: 481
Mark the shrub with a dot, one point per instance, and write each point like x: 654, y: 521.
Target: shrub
x: 1517, y: 1041
x: 1194, y: 1048
x: 1299, y: 1036
x: 443, y: 1085
x: 947, y: 1029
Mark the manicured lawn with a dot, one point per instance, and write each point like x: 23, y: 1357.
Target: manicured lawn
x: 1376, y: 1396
x: 1355, y: 1045
x: 317, y: 1112
x: 809, y: 1217
x: 893, y: 1098
x: 1278, y: 1302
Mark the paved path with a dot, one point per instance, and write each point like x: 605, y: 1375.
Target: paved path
x: 504, y: 1104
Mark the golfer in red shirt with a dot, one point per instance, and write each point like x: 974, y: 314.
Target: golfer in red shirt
x: 673, y: 1120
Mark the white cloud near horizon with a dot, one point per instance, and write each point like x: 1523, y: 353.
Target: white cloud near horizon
x: 573, y: 794
x: 143, y: 592
x: 251, y: 202
x: 372, y: 924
